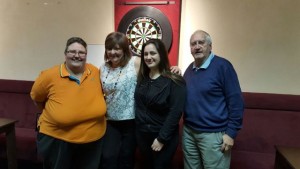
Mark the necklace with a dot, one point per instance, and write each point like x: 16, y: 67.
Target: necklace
x: 112, y: 91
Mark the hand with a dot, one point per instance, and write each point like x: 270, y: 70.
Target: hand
x: 227, y: 143
x: 156, y: 145
x: 175, y: 69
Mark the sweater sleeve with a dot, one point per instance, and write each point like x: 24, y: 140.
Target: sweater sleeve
x: 234, y: 101
x: 176, y: 101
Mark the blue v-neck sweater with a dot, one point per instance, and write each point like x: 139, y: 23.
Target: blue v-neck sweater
x: 214, y: 99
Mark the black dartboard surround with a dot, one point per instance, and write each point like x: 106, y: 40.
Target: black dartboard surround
x: 145, y: 22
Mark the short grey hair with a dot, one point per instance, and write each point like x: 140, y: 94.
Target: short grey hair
x: 207, y: 36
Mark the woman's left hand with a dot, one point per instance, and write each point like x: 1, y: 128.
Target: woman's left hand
x: 156, y: 145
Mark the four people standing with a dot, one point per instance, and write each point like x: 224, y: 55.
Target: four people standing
x: 142, y: 92
x: 214, y: 107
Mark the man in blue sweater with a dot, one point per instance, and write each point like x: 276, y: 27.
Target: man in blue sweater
x: 214, y: 107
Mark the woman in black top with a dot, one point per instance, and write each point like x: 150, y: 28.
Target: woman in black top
x: 160, y: 97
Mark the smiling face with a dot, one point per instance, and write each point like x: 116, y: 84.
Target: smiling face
x: 117, y: 52
x: 75, y: 57
x: 200, y: 46
x: 114, y: 55
x: 151, y: 56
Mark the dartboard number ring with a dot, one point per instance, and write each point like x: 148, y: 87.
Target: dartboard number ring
x: 143, y: 23
x: 140, y: 30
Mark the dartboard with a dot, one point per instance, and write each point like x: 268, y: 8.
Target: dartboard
x: 143, y: 23
x: 141, y: 30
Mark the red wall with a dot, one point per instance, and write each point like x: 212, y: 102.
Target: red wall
x: 172, y: 11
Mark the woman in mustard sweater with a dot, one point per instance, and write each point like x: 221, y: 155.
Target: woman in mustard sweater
x: 72, y: 122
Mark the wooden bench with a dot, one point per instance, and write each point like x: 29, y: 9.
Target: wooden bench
x: 287, y: 157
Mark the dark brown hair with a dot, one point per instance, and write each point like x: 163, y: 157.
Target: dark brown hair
x: 75, y: 40
x: 163, y: 65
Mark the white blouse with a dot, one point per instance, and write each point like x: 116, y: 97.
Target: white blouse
x: 119, y: 86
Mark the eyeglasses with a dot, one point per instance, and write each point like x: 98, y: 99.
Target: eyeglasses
x: 74, y: 52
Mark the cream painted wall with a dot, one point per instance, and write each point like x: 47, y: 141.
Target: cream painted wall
x: 34, y: 32
x: 260, y: 37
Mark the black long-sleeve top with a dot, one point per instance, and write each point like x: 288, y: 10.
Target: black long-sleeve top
x: 159, y: 106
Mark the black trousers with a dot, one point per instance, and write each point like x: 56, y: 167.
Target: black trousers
x: 119, y: 145
x: 152, y: 159
x: 58, y: 154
